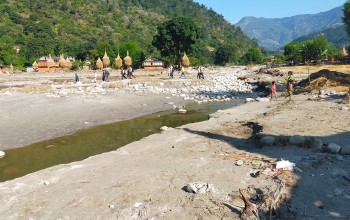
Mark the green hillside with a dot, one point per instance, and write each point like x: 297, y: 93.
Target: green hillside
x: 85, y: 28
x: 336, y: 36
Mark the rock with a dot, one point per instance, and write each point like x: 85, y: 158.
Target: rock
x: 267, y: 141
x: 297, y: 140
x: 321, y: 92
x: 111, y: 206
x: 262, y: 99
x: 2, y: 154
x: 345, y: 149
x: 46, y: 183
x: 338, y: 191
x: 344, y: 108
x: 316, y: 143
x: 249, y: 100
x: 182, y: 110
x: 199, y: 187
x: 333, y: 148
x: 164, y: 128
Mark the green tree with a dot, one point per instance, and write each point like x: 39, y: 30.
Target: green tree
x: 224, y: 54
x: 176, y: 36
x: 252, y: 56
x: 346, y: 18
x: 292, y: 51
x: 135, y: 52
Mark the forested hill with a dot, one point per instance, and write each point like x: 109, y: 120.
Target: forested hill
x: 80, y: 28
x: 335, y: 35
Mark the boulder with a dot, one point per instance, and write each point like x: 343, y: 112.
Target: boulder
x: 2, y: 154
x: 333, y: 148
x: 316, y: 143
x: 345, y: 149
x: 297, y: 140
x: 267, y: 141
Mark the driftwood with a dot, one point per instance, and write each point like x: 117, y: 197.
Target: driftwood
x: 250, y: 210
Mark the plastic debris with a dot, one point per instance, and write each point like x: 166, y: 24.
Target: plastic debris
x: 199, y: 187
x: 284, y: 165
x: 239, y: 162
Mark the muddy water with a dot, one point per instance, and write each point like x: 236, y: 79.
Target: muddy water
x: 99, y: 139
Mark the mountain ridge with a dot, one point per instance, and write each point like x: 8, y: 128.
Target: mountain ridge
x: 274, y: 33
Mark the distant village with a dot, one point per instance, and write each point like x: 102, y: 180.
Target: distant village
x: 64, y: 63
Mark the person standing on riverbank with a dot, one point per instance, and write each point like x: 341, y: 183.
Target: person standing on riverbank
x: 103, y: 75
x: 200, y: 74
x: 95, y: 77
x: 273, y: 90
x: 290, y: 81
x: 182, y: 72
x: 76, y: 78
x: 122, y: 73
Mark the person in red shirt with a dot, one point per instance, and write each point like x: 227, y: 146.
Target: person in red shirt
x: 273, y: 90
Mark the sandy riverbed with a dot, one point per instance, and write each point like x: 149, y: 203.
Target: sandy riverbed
x: 147, y: 179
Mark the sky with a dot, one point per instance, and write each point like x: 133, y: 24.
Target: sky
x: 235, y: 10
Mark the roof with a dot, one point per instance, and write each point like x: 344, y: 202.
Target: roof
x: 150, y: 59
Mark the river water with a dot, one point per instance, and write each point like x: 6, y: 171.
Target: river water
x: 99, y: 139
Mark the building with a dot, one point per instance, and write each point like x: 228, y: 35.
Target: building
x: 52, y: 64
x: 47, y: 64
x: 153, y: 64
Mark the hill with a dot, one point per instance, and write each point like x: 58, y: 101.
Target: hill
x: 273, y: 34
x: 75, y: 27
x: 335, y: 35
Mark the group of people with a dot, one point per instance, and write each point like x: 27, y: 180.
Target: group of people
x: 289, y: 89
x: 105, y: 75
x: 128, y: 74
x: 171, y: 70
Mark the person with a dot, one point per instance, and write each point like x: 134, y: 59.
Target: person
x: 76, y: 78
x: 107, y: 74
x: 273, y: 90
x: 122, y: 73
x: 172, y: 73
x: 103, y: 75
x: 200, y: 74
x: 170, y: 69
x: 290, y: 81
x: 95, y: 76
x: 130, y: 72
x: 182, y: 71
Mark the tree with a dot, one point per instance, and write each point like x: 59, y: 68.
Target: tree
x: 346, y: 18
x: 175, y: 37
x: 252, y: 56
x: 135, y: 52
x: 224, y: 54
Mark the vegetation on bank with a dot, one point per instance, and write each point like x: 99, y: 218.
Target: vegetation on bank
x: 84, y: 29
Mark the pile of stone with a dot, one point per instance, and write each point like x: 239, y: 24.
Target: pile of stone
x: 307, y: 142
x: 216, y: 87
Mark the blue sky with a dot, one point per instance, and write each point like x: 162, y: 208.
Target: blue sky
x: 234, y: 10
